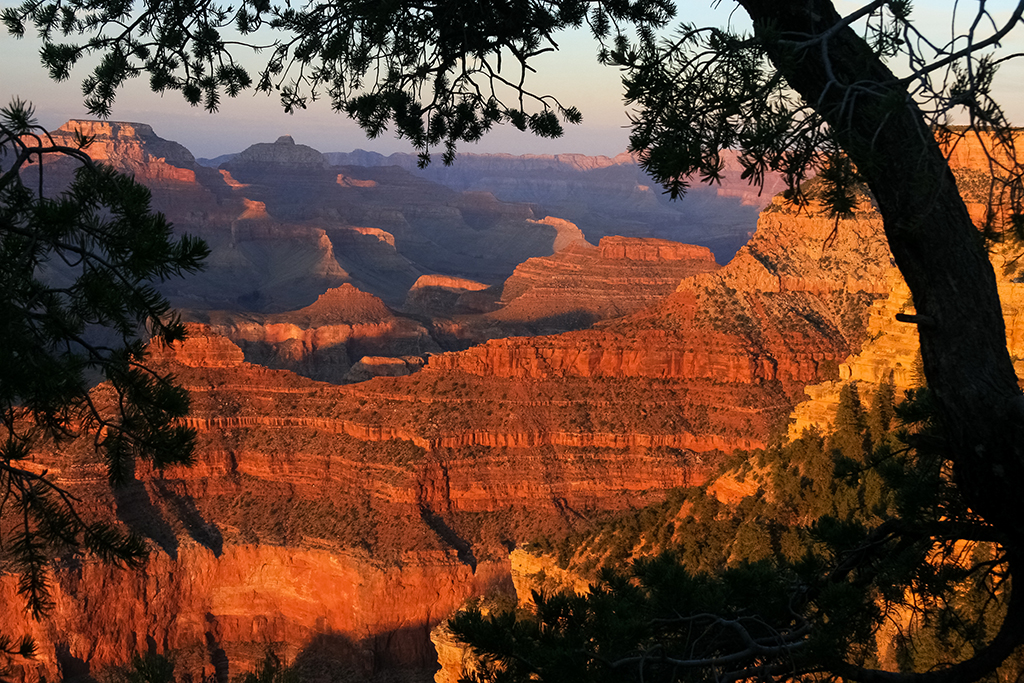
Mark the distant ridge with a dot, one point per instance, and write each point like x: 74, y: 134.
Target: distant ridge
x: 504, y: 161
x: 603, y: 195
x: 410, y: 162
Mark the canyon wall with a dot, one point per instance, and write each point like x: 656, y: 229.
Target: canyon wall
x: 219, y: 610
x: 891, y: 350
x: 346, y: 521
x: 419, y: 484
x: 328, y: 523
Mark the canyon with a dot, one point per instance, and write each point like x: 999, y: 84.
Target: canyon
x: 396, y: 381
x: 612, y: 196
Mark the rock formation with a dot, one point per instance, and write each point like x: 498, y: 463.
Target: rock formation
x: 569, y: 290
x: 281, y: 156
x: 181, y: 188
x: 369, y: 367
x: 582, y: 284
x: 418, y: 484
x: 802, y: 277
x: 256, y: 259
x: 440, y: 295
x: 333, y: 522
x: 346, y: 521
x: 327, y: 338
x: 892, y: 353
x: 891, y: 350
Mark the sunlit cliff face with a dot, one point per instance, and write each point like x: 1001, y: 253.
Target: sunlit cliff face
x: 339, y: 522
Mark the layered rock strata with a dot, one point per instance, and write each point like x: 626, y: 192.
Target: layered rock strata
x: 337, y: 523
x: 582, y: 284
x: 443, y: 296
x: 892, y: 352
x: 182, y: 189
x: 785, y: 312
x: 327, y: 338
x: 422, y: 482
x: 437, y: 473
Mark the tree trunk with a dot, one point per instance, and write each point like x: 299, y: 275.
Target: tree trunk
x: 937, y: 248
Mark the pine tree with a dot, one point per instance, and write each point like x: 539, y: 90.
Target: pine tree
x: 849, y: 437
x: 882, y: 410
x: 108, y: 247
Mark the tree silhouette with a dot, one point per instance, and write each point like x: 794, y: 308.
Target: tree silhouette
x: 72, y: 265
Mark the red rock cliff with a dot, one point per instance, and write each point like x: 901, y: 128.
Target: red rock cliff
x: 339, y: 522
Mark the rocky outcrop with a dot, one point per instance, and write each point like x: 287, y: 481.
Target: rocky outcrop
x: 582, y: 284
x: 327, y: 339
x: 186, y: 192
x: 460, y: 284
x: 202, y: 348
x: 346, y: 181
x: 567, y: 233
x: 802, y: 356
x: 345, y: 304
x: 132, y: 148
x: 419, y: 483
x: 892, y: 352
x: 653, y: 250
x: 786, y: 309
x: 280, y: 156
x: 444, y: 296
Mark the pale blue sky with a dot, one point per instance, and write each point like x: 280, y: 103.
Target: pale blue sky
x: 572, y: 74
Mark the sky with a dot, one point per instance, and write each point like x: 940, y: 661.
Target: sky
x: 572, y: 74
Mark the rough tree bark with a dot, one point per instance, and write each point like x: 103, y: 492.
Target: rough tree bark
x: 940, y: 254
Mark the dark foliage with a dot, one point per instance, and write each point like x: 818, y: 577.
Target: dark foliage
x: 76, y: 272
x: 440, y: 72
x: 852, y: 548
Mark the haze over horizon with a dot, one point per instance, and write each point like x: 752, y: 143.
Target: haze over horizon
x: 572, y: 74
x: 255, y: 117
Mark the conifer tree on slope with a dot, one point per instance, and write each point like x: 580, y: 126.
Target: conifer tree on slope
x: 856, y: 96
